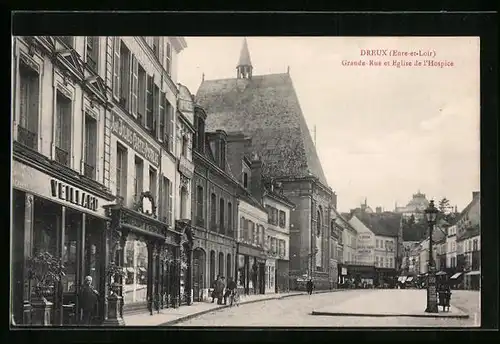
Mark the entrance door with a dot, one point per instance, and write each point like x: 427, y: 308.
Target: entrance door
x: 198, y: 273
x: 92, y: 262
x: 262, y: 278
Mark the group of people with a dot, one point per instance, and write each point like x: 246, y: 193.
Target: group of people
x: 221, y: 292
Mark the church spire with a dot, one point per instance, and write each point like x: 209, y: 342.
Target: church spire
x: 244, y: 67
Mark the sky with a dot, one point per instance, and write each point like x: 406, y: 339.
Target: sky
x: 382, y: 133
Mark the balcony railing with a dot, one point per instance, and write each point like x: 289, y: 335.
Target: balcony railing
x: 27, y: 138
x: 62, y: 156
x: 88, y: 171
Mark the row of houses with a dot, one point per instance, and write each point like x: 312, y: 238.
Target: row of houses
x: 115, y: 163
x: 456, y: 250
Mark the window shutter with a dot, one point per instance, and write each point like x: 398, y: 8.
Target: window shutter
x: 116, y: 67
x: 135, y: 85
x: 170, y: 202
x: 24, y: 99
x: 171, y: 129
x: 161, y: 49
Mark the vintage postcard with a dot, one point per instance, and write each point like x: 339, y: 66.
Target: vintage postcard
x: 245, y: 181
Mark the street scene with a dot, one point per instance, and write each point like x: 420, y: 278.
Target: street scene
x: 245, y: 181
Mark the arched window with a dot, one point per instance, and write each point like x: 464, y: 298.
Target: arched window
x: 318, y: 223
x: 212, y: 267
x: 221, y: 216
x: 230, y: 218
x: 221, y: 264
x: 199, y: 203
x: 213, y: 211
x: 229, y: 270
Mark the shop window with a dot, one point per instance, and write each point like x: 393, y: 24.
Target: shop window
x: 63, y: 129
x: 136, y: 271
x: 90, y: 157
x: 28, y: 106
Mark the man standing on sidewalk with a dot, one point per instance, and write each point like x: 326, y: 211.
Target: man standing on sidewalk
x: 214, y: 288
x: 310, y: 286
x: 219, y: 288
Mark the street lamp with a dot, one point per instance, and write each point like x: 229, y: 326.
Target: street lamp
x: 432, y: 307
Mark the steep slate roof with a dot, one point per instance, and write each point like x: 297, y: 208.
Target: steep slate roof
x: 244, y: 55
x: 381, y: 224
x: 266, y: 108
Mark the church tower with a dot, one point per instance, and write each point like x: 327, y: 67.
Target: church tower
x: 244, y: 67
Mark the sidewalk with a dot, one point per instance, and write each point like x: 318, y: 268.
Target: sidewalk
x: 170, y: 316
x: 386, y: 303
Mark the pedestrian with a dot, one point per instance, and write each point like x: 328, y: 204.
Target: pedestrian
x: 230, y: 290
x: 219, y: 289
x: 310, y: 286
x: 214, y: 287
x: 87, y: 300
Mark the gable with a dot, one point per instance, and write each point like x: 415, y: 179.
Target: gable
x: 267, y: 109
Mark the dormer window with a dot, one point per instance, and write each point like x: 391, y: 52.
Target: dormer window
x: 245, y: 180
x: 222, y: 152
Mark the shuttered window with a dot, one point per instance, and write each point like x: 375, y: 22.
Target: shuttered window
x: 135, y: 87
x: 116, y: 67
x: 149, y: 102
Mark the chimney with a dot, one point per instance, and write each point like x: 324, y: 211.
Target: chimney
x: 475, y: 194
x: 256, y: 186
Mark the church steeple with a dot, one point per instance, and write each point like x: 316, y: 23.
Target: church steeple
x: 244, y: 67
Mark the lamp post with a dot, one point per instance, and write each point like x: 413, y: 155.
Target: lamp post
x: 432, y: 306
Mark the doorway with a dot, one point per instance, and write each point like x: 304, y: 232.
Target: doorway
x: 262, y: 278
x: 198, y: 273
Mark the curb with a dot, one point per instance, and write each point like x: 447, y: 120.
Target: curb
x: 215, y: 309
x: 430, y: 315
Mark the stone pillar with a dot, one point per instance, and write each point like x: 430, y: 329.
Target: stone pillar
x: 150, y: 292
x: 189, y: 273
x: 156, y: 286
x: 29, y: 209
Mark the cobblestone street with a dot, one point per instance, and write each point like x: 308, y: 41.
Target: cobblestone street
x: 296, y: 311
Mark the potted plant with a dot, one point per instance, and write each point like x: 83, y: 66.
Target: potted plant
x: 114, y: 272
x: 45, y: 271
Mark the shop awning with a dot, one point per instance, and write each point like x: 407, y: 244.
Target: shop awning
x: 409, y: 279
x: 440, y: 273
x: 131, y: 269
x: 402, y: 279
x: 455, y: 276
x: 473, y: 273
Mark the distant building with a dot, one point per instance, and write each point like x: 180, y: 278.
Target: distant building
x: 468, y: 241
x: 415, y: 207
